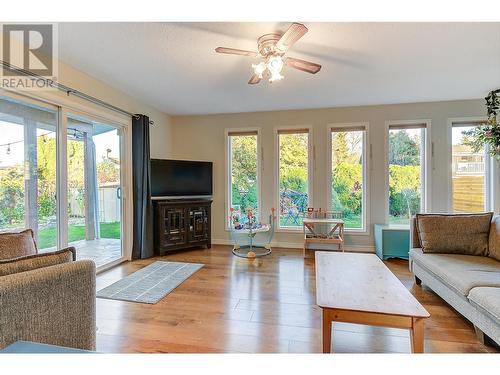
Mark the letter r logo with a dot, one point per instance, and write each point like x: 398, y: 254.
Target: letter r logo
x: 29, y: 47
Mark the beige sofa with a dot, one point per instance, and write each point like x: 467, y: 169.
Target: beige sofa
x: 46, y: 298
x: 459, y: 260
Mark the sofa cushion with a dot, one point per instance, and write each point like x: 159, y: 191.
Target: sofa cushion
x: 15, y: 245
x: 460, y: 272
x: 494, y: 246
x: 488, y: 300
x: 31, y: 262
x: 454, y: 233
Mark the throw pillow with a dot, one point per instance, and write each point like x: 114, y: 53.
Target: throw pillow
x: 15, y: 245
x: 31, y: 262
x: 454, y: 233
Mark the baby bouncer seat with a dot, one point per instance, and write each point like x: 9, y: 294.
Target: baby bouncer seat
x: 251, y: 238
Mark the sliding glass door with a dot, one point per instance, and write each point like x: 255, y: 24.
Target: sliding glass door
x: 87, y: 177
x: 28, y: 169
x: 94, y: 189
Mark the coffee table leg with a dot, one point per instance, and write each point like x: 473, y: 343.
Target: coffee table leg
x: 327, y: 331
x: 417, y: 335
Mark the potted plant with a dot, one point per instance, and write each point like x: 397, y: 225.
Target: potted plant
x: 487, y: 134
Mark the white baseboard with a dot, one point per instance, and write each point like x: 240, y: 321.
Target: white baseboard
x: 298, y: 245
x: 221, y: 242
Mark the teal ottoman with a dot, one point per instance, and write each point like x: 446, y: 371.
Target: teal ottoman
x: 392, y: 241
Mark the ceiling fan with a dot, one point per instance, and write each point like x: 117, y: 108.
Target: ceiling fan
x: 271, y: 49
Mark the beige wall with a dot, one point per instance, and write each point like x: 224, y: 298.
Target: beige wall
x: 203, y: 138
x: 161, y: 137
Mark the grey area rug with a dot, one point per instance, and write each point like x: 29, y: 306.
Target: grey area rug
x: 151, y: 283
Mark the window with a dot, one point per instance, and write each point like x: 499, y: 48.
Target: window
x: 348, y: 175
x: 407, y: 159
x: 470, y: 172
x: 28, y: 169
x: 243, y: 172
x: 293, y: 177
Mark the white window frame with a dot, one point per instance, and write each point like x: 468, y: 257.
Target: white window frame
x: 492, y: 168
x: 367, y: 166
x: 227, y: 170
x: 310, y: 171
x: 426, y: 167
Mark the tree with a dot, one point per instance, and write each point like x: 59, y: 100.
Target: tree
x: 244, y: 171
x: 404, y: 173
x: 340, y: 150
x: 404, y: 190
x: 12, y: 195
x: 293, y: 162
x: 346, y: 147
x: 403, y: 150
x: 76, y: 165
x: 347, y: 188
x: 46, y: 173
x: 347, y: 173
x: 108, y: 171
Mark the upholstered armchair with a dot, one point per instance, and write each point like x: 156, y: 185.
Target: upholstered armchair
x: 48, y: 297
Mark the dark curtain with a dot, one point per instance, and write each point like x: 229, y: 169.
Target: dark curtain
x: 141, y: 169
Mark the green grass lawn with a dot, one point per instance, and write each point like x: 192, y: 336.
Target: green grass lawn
x: 350, y: 222
x: 397, y: 220
x: 48, y: 237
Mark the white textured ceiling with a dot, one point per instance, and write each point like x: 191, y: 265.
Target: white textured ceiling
x: 173, y: 66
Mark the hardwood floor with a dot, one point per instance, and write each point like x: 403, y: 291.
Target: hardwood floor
x: 262, y: 306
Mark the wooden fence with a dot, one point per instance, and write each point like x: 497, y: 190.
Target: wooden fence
x: 468, y: 193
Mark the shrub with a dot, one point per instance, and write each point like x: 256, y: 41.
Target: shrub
x: 347, y: 188
x: 404, y: 190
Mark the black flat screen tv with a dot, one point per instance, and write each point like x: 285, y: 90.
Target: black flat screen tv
x: 180, y: 178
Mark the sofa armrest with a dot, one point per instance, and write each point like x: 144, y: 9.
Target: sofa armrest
x: 53, y: 305
x: 73, y: 251
x: 413, y: 253
x: 414, y: 238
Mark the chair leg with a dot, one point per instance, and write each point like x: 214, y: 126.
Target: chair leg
x: 479, y: 335
x: 485, y: 339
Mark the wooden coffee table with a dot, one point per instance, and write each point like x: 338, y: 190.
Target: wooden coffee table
x: 359, y: 288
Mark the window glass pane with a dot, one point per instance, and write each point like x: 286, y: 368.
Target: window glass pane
x: 94, y: 190
x: 244, y: 184
x: 28, y: 170
x: 293, y: 178
x: 468, y: 174
x: 347, y: 176
x: 405, y: 174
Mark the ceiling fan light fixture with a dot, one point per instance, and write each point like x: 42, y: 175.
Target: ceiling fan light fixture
x: 275, y: 66
x: 259, y: 69
x: 275, y: 76
x: 275, y: 63
x: 271, y: 49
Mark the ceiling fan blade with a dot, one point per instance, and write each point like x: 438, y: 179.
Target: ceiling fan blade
x: 288, y: 39
x: 234, y: 51
x: 305, y: 66
x: 254, y: 80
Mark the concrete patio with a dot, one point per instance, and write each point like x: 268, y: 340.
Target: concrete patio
x: 101, y: 251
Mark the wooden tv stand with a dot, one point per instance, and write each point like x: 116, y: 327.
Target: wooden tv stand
x: 181, y: 224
